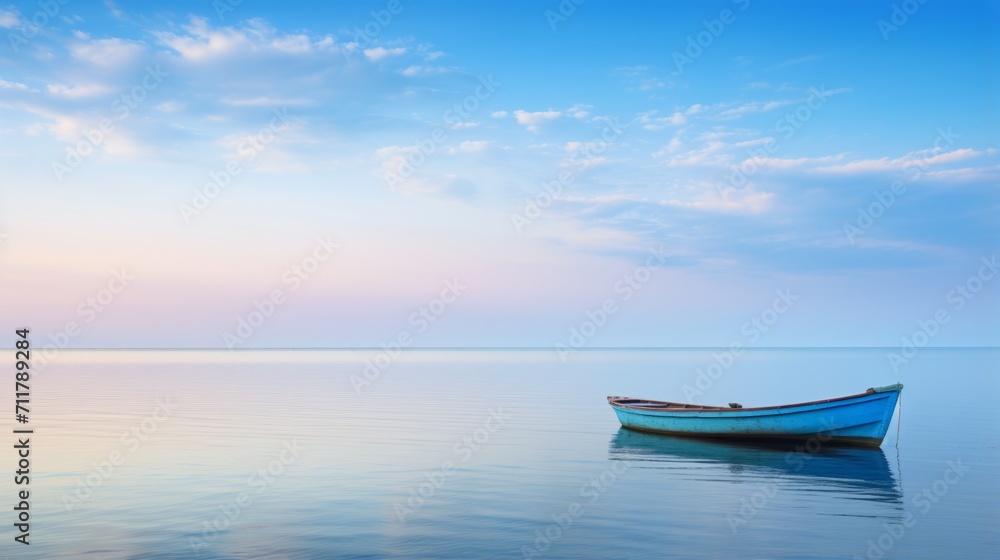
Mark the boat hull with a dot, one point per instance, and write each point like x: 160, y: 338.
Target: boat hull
x: 859, y: 420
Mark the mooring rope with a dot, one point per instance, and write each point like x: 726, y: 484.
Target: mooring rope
x: 899, y: 418
x: 899, y: 421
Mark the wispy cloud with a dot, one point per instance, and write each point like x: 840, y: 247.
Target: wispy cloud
x: 378, y: 53
x: 107, y: 52
x: 417, y: 70
x: 534, y: 119
x: 77, y: 91
x: 9, y: 18
x: 794, y: 61
x: 746, y: 200
x: 909, y: 161
x: 470, y: 146
x: 265, y: 101
x: 4, y: 84
x: 650, y: 121
x: 201, y: 42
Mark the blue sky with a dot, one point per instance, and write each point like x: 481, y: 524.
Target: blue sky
x: 537, y: 152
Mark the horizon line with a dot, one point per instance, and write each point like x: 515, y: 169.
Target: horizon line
x: 213, y: 348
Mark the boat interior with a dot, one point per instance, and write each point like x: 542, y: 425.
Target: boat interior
x: 640, y: 403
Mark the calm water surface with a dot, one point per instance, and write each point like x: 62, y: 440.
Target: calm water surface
x: 494, y: 454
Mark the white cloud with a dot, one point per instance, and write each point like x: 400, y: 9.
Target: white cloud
x: 394, y: 158
x: 589, y: 146
x: 837, y: 91
x: 396, y: 171
x: 36, y: 129
x: 755, y: 142
x: 674, y: 145
x: 533, y: 120
x: 745, y: 200
x: 919, y: 160
x: 114, y: 9
x: 658, y: 123
x: 583, y: 155
x: 469, y: 146
x: 325, y: 43
x: 965, y: 174
x: 203, y: 43
x: 66, y: 128
x: 4, y: 84
x: 277, y: 161
x: 265, y: 101
x: 605, y: 199
x: 9, y: 18
x: 576, y: 233
x: 273, y: 158
x: 414, y: 71
x: 710, y: 154
x: 913, y: 160
x: 631, y: 71
x: 170, y: 106
x: 639, y: 78
x: 790, y: 163
x: 579, y: 111
x: 647, y: 84
x: 585, y: 163
x: 107, y: 52
x: 752, y: 107
x: 78, y: 91
x: 736, y: 110
x: 498, y: 114
x: 378, y: 53
x: 293, y: 44
x: 718, y: 133
x: 926, y: 157
x: 121, y: 145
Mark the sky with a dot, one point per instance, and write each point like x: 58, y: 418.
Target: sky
x: 575, y: 174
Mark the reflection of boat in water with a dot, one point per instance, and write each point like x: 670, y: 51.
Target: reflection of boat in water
x: 864, y: 472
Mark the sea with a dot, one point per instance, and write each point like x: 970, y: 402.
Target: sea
x: 491, y: 453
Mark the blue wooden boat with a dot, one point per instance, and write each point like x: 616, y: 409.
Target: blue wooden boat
x: 860, y: 420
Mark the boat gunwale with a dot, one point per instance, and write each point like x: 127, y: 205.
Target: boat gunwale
x: 616, y: 401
